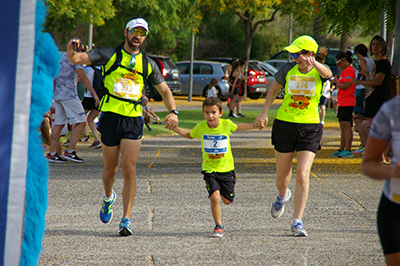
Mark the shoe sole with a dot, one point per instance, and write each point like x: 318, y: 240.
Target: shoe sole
x: 217, y: 235
x: 55, y: 161
x: 73, y: 160
x: 125, y: 232
x: 95, y: 147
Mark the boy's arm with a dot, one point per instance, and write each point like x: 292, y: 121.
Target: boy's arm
x: 182, y: 132
x: 244, y: 126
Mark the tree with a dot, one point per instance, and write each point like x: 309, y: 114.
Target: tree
x: 252, y: 13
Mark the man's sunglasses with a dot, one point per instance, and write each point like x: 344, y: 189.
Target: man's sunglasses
x: 297, y: 55
x: 135, y: 31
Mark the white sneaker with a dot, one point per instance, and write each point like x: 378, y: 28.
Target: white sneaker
x: 298, y: 230
x: 278, y: 207
x: 235, y: 115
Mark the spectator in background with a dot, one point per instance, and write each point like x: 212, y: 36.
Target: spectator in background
x: 327, y: 86
x: 234, y: 81
x: 346, y: 102
x: 363, y: 64
x: 384, y: 129
x: 212, y: 91
x: 376, y: 83
x: 243, y: 84
x: 68, y: 107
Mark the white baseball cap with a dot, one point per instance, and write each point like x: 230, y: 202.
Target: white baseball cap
x: 137, y: 22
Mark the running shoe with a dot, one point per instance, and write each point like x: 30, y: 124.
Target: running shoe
x: 125, y: 227
x: 96, y: 144
x: 298, y: 230
x: 278, y: 207
x: 241, y: 115
x: 336, y: 153
x: 55, y: 158
x: 84, y: 139
x: 345, y: 154
x: 218, y: 231
x: 359, y: 150
x: 106, y: 212
x: 72, y: 157
x: 66, y: 144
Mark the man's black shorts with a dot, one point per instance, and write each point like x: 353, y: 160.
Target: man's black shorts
x: 114, y: 127
x: 224, y: 182
x: 290, y: 137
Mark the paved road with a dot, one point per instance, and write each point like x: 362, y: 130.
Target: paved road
x: 172, y: 221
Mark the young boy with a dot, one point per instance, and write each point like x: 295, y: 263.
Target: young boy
x: 218, y: 167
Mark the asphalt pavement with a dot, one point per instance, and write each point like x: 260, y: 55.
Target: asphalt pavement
x: 171, y: 217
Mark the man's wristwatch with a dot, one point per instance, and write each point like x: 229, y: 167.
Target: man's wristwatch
x: 175, y: 112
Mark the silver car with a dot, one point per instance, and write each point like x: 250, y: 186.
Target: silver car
x: 203, y: 72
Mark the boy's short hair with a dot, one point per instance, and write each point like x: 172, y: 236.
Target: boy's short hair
x: 210, y: 101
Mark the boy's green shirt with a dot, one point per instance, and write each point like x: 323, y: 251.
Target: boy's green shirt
x: 215, y: 145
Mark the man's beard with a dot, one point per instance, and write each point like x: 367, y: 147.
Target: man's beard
x: 132, y: 46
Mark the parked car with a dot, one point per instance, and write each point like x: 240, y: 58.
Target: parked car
x: 203, y: 72
x: 277, y: 63
x: 257, y: 85
x: 270, y: 71
x: 170, y: 73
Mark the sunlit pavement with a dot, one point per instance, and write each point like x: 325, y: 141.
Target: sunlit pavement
x: 171, y: 217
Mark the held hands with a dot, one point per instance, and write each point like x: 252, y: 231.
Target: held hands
x: 355, y: 81
x: 261, y: 121
x: 171, y: 122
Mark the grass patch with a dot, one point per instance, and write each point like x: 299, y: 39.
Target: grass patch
x: 189, y: 118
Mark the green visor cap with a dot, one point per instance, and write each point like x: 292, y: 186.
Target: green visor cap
x: 305, y: 42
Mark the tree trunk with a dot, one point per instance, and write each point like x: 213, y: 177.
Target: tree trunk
x: 248, y: 35
x: 343, y: 41
x: 317, y: 31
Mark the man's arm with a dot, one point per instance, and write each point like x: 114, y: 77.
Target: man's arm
x: 77, y: 58
x: 171, y: 120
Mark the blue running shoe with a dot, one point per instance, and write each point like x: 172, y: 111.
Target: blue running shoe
x: 106, y: 212
x: 298, y: 230
x: 336, y: 153
x: 345, y: 154
x: 125, y: 227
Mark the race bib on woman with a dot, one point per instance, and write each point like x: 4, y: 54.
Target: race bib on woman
x: 299, y: 85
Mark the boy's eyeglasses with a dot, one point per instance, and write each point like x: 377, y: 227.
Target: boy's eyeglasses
x: 135, y: 31
x: 297, y: 55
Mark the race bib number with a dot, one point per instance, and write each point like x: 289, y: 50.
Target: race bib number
x: 215, y: 144
x: 126, y: 88
x: 299, y: 85
x: 395, y: 189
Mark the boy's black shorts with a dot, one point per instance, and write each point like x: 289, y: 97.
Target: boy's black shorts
x: 88, y: 103
x: 114, y: 127
x: 224, y: 182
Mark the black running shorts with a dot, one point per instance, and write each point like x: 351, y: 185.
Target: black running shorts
x: 224, y: 182
x: 114, y: 127
x: 389, y: 225
x: 290, y: 137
